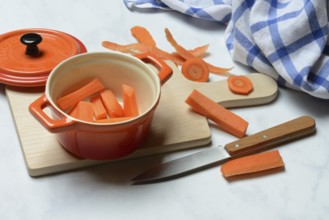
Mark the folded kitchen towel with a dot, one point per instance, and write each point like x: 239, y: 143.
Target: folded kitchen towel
x: 287, y: 40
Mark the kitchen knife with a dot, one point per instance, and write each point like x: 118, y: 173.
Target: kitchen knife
x: 262, y: 140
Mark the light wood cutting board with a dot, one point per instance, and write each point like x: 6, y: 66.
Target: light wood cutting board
x: 174, y: 127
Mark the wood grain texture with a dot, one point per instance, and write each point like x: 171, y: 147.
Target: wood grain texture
x: 273, y: 136
x: 174, y: 127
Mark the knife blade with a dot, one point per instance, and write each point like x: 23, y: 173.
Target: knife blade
x: 293, y: 129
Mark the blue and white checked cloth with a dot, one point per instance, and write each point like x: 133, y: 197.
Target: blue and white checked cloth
x: 287, y: 40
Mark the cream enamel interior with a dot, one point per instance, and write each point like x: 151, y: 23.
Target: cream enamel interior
x: 112, y: 69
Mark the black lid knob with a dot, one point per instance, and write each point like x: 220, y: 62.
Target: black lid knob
x: 31, y: 40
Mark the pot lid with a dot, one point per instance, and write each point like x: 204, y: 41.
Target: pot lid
x: 27, y: 56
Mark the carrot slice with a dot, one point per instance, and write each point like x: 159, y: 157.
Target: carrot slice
x: 78, y: 95
x: 195, y: 69
x: 143, y: 35
x: 240, y: 84
x: 225, y: 119
x: 113, y: 120
x: 130, y: 106
x: 112, y: 106
x: 98, y: 107
x: 252, y: 164
x: 83, y: 111
x: 129, y: 48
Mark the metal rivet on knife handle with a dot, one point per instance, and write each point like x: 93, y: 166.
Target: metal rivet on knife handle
x: 273, y: 136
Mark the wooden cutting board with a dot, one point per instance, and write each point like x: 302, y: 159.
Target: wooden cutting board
x: 174, y: 127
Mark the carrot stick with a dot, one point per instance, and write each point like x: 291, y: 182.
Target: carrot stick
x: 111, y: 104
x: 98, y: 107
x: 83, y: 111
x: 73, y: 98
x: 113, y: 120
x: 225, y: 119
x: 196, y: 69
x: 74, y: 111
x: 252, y: 164
x: 143, y: 35
x: 129, y: 48
x: 130, y: 106
x: 240, y: 84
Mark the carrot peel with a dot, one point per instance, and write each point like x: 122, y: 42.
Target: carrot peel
x: 129, y: 48
x: 252, y: 164
x: 142, y: 35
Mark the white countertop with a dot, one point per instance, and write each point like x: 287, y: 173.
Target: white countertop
x: 104, y: 192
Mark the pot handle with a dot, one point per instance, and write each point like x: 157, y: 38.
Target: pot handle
x: 53, y: 126
x: 165, y: 72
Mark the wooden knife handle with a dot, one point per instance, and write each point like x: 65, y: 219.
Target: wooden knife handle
x: 273, y: 136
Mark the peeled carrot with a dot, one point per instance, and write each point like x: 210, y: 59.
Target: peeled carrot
x: 195, y: 69
x: 143, y: 35
x: 83, y: 111
x: 225, y: 119
x: 98, y: 107
x: 130, y: 106
x: 113, y: 120
x: 73, y: 98
x: 252, y: 164
x: 112, y: 106
x: 240, y: 84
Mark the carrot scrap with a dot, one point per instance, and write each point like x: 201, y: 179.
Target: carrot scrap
x: 240, y: 84
x: 252, y: 164
x: 164, y: 55
x: 129, y: 48
x: 224, y: 118
x: 181, y: 50
x: 130, y: 106
x: 83, y: 111
x: 195, y: 69
x: 98, y: 107
x: 188, y: 55
x: 143, y: 35
x: 112, y: 105
x: 113, y: 120
x: 219, y: 70
x: 78, y: 95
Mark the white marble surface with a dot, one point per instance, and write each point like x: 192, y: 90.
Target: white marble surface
x: 104, y: 192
